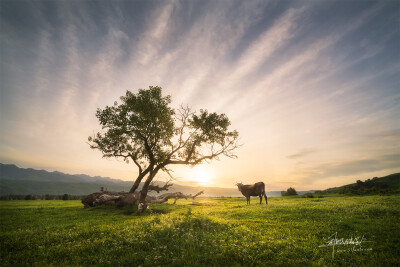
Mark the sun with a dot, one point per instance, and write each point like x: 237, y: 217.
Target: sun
x: 202, y: 175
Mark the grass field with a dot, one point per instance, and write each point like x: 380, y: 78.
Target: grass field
x: 290, y: 231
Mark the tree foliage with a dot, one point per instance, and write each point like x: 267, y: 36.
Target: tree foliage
x: 289, y: 192
x: 367, y: 187
x: 144, y: 129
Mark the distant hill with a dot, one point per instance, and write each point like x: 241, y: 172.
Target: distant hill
x: 389, y: 183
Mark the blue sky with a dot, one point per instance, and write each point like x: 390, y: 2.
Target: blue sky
x: 311, y: 86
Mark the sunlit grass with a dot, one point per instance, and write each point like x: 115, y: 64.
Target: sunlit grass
x: 223, y: 232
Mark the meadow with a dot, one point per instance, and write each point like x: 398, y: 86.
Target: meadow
x: 290, y: 231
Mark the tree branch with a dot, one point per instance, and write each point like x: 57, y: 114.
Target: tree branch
x: 226, y: 150
x: 137, y: 163
x: 158, y: 189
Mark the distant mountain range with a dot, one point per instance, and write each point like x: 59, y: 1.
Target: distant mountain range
x: 19, y: 181
x: 15, y: 180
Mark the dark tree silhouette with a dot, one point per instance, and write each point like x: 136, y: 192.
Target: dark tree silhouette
x: 144, y: 129
x: 289, y: 192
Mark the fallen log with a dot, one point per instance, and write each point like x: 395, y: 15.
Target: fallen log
x: 109, y: 198
x: 121, y: 199
x: 178, y: 195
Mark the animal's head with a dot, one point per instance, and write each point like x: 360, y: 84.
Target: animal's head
x: 239, y: 185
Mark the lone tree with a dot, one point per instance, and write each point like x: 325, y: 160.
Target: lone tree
x: 144, y: 129
x: 289, y: 192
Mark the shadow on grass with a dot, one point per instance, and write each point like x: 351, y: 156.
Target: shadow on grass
x: 159, y: 211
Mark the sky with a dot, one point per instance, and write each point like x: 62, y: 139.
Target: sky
x: 311, y: 86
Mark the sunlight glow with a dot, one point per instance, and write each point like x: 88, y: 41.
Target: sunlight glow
x: 202, y: 175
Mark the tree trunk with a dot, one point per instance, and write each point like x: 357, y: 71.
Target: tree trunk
x: 142, y: 206
x: 137, y: 183
x: 144, y: 191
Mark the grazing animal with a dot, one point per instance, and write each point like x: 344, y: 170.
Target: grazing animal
x: 257, y: 189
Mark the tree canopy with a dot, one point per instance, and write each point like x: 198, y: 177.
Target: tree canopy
x: 289, y: 192
x: 144, y: 129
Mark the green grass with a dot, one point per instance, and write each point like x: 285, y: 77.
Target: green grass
x: 213, y: 232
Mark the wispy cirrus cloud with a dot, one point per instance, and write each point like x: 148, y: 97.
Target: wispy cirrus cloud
x: 352, y: 167
x: 301, y: 153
